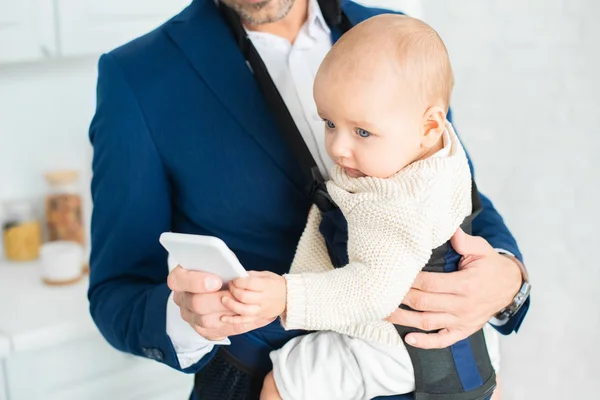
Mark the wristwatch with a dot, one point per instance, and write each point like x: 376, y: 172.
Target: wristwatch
x: 504, y: 315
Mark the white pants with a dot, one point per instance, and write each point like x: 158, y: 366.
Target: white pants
x: 328, y: 365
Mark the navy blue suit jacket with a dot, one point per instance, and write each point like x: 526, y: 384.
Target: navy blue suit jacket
x: 183, y: 141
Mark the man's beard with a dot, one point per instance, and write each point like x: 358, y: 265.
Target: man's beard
x: 256, y: 14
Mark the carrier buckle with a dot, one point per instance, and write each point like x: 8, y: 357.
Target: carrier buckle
x: 318, y: 192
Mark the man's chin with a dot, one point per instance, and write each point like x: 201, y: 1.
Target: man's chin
x: 257, y: 4
x: 261, y: 12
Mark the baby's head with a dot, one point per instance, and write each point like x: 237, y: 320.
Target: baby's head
x: 383, y: 91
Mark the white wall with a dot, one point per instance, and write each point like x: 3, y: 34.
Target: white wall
x: 414, y: 8
x: 45, y: 111
x: 525, y: 103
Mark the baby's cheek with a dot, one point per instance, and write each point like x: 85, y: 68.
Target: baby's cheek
x: 385, y: 164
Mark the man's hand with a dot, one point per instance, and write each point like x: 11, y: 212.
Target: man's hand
x: 200, y: 300
x: 262, y: 295
x: 459, y: 303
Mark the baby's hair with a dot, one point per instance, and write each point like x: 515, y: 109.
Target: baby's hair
x: 414, y: 50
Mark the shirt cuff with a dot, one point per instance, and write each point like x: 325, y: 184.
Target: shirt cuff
x: 188, y: 344
x: 503, y: 251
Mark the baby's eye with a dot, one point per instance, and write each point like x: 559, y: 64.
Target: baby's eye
x: 362, y: 133
x: 329, y: 124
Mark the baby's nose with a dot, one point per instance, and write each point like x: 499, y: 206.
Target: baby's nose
x: 340, y: 148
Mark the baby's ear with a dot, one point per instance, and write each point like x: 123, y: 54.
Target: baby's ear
x: 434, y: 124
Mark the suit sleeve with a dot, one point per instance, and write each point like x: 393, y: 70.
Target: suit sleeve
x: 132, y: 207
x: 490, y: 225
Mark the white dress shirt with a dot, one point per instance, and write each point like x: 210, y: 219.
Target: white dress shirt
x: 293, y: 68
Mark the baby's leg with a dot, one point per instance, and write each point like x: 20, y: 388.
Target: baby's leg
x: 316, y: 366
x: 269, y: 390
x: 492, y: 341
x: 498, y: 392
x: 330, y: 366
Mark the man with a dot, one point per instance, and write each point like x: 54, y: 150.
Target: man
x: 184, y: 141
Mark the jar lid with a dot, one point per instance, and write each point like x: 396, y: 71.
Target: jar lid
x: 59, y: 247
x: 62, y: 177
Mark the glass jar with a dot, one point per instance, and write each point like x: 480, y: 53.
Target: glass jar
x: 64, y: 217
x: 21, y: 232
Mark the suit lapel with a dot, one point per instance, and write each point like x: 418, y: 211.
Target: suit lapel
x: 205, y: 39
x: 203, y: 36
x: 357, y: 13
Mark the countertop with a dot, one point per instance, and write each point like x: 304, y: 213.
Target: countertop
x: 34, y: 315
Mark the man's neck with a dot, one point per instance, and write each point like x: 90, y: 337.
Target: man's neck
x: 288, y: 27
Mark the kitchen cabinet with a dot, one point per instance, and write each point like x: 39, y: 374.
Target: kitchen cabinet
x: 38, y: 29
x: 51, y: 349
x: 94, y: 27
x: 27, y: 30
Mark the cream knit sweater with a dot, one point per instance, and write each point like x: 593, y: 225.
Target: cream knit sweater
x: 393, y: 225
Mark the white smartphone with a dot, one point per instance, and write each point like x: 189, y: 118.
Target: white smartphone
x: 203, y: 253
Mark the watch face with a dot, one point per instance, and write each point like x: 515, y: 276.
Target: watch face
x: 504, y: 315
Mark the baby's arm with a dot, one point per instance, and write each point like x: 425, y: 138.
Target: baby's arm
x: 386, y: 253
x: 389, y: 241
x: 263, y: 293
x: 311, y: 253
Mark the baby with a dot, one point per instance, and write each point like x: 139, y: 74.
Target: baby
x: 402, y: 180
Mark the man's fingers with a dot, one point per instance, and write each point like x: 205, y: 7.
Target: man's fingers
x: 467, y: 245
x: 202, y: 303
x: 207, y: 321
x: 440, y: 340
x: 182, y: 280
x: 212, y: 326
x: 433, y: 302
x: 220, y: 323
x: 240, y: 308
x: 178, y: 298
x: 436, y: 282
x: 425, y: 321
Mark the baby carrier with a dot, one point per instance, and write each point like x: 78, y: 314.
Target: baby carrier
x: 462, y: 371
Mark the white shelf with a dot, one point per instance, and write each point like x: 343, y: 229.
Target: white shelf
x: 94, y: 27
x: 33, y: 30
x: 48, y: 337
x: 34, y: 315
x: 172, y: 385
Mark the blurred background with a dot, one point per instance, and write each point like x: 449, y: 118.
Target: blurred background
x: 525, y: 104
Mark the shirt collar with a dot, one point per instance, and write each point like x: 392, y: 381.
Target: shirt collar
x: 316, y: 21
x: 446, y: 149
